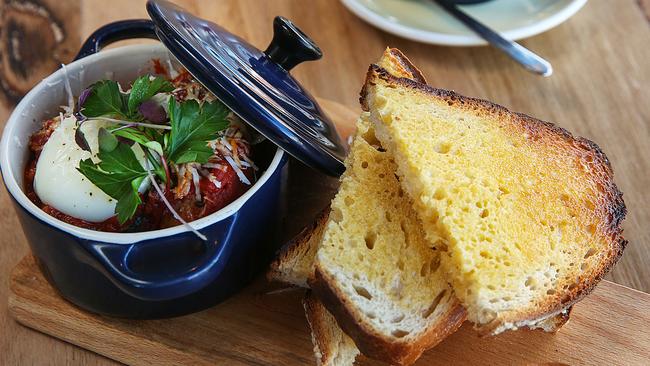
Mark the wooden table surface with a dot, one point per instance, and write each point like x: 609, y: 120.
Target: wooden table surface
x: 599, y: 90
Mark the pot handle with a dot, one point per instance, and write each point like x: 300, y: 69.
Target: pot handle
x: 116, y: 31
x: 166, y: 268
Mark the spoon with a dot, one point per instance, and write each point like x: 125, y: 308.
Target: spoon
x: 528, y: 59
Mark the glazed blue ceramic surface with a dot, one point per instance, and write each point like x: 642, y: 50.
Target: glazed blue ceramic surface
x: 166, y: 276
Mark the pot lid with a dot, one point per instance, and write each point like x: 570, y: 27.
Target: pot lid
x: 255, y: 85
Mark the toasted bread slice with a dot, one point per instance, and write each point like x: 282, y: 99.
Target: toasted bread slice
x: 375, y: 270
x: 395, y: 315
x: 295, y: 260
x: 331, y: 345
x: 527, y: 216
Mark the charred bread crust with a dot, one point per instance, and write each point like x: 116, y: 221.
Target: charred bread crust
x: 373, y: 344
x: 611, y: 209
x: 547, y: 323
x: 297, y: 249
x: 314, y: 315
x: 409, y: 71
x: 407, y: 65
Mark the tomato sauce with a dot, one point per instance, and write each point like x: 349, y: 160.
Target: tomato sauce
x: 158, y: 68
x: 212, y: 199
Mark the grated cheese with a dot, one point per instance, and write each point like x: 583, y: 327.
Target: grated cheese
x: 69, y: 109
x: 213, y: 166
x: 195, y: 180
x: 240, y: 174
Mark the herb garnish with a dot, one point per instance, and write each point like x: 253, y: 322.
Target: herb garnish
x: 192, y: 126
x: 106, y: 100
x: 184, y: 139
x: 119, y: 174
x: 143, y: 89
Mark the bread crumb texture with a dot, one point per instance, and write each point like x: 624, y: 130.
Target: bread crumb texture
x: 375, y: 248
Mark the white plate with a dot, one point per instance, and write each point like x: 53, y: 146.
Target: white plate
x: 425, y: 21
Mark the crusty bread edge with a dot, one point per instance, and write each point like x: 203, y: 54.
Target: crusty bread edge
x: 396, y: 57
x: 615, y: 205
x: 278, y: 270
x: 319, y: 320
x: 404, y: 69
x: 553, y: 323
x: 375, y: 345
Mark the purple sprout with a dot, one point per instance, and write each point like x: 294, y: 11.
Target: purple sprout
x: 80, y: 139
x: 79, y: 136
x: 152, y: 111
x: 80, y: 118
x: 83, y: 96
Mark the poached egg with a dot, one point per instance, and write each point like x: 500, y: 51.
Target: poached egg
x: 59, y: 184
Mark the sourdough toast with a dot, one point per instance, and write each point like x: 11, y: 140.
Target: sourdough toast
x: 527, y: 216
x: 427, y: 316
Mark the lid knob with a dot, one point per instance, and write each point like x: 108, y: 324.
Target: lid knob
x: 290, y: 46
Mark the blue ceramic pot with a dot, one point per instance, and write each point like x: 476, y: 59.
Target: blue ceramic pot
x: 151, y: 274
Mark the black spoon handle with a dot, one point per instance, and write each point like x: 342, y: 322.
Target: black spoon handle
x: 522, y: 55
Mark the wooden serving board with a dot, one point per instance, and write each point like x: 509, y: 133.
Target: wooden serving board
x: 259, y: 327
x: 264, y: 326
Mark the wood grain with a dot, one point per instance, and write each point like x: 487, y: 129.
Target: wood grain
x: 259, y: 327
x: 645, y: 8
x: 600, y: 57
x: 29, y: 28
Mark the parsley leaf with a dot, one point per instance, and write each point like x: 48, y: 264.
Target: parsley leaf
x: 193, y: 125
x: 144, y: 88
x: 140, y: 137
x: 119, y: 175
x: 150, y: 142
x: 105, y: 100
